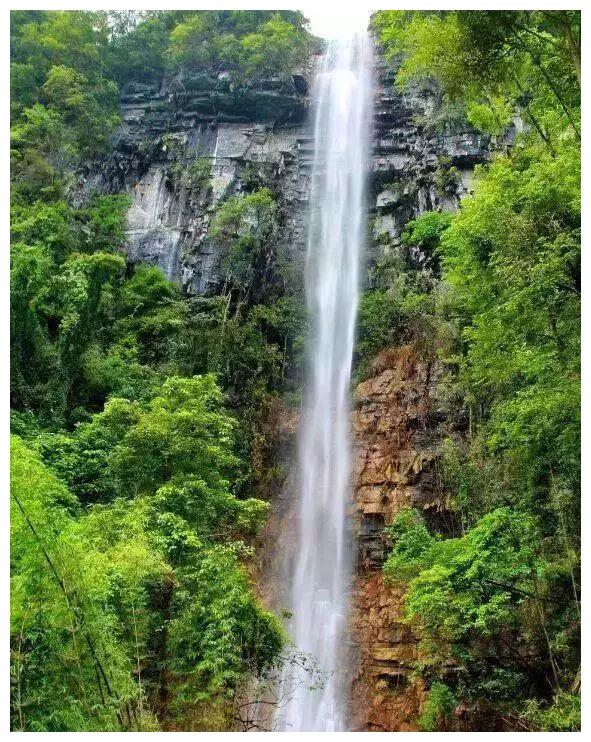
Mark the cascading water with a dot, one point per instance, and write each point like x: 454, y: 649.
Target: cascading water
x: 321, y: 574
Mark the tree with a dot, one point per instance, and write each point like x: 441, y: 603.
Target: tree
x: 245, y: 226
x: 498, y: 63
x: 276, y: 49
x: 507, y: 327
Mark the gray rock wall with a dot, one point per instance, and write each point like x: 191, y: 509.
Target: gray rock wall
x: 409, y: 158
x: 239, y: 136
x: 261, y: 134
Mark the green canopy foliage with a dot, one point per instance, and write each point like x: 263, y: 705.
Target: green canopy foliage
x: 498, y: 64
x: 504, y: 302
x: 86, y: 612
x: 132, y: 605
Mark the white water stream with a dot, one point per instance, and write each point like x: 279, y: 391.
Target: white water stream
x: 322, y: 570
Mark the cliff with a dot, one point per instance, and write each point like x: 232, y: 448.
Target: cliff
x: 190, y: 143
x: 396, y: 429
x: 396, y: 422
x: 418, y: 533
x: 411, y: 158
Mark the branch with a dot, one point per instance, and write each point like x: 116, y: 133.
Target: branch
x: 514, y: 589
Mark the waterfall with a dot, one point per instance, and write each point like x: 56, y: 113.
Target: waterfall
x: 322, y: 570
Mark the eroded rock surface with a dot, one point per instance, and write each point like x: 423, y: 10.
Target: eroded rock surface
x: 416, y: 166
x: 241, y: 135
x: 396, y: 432
x: 396, y: 423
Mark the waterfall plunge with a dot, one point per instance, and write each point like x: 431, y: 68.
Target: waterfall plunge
x: 321, y: 574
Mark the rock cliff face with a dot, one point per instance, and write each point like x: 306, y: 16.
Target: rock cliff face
x: 415, y: 168
x: 193, y: 141
x: 395, y: 437
x: 396, y: 426
x: 188, y: 144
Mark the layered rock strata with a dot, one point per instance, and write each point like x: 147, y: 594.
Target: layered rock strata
x: 412, y: 157
x: 261, y: 135
x: 415, y: 167
x: 231, y: 137
x: 396, y: 433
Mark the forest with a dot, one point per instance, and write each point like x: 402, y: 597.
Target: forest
x: 144, y: 419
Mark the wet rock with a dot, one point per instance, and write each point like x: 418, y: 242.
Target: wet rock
x: 238, y: 131
x: 395, y: 439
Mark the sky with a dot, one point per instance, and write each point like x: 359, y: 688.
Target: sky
x: 329, y: 21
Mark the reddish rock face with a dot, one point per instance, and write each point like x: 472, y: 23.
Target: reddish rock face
x: 384, y: 698
x: 395, y: 440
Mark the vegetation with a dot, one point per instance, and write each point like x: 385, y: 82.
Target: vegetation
x: 135, y: 584
x: 142, y: 419
x: 252, y: 44
x: 503, y: 304
x: 438, y: 709
x: 495, y: 63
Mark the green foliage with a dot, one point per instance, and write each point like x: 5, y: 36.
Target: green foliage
x: 129, y: 546
x: 426, y: 230
x: 412, y: 540
x: 494, y: 116
x: 498, y: 64
x: 511, y: 256
x: 216, y: 647
x: 154, y: 471
x: 70, y: 670
x: 131, y: 592
x: 468, y: 586
x: 193, y: 42
x: 147, y: 44
x: 181, y: 434
x: 381, y: 323
x: 63, y: 104
x: 244, y: 226
x: 103, y: 568
x: 507, y: 327
x: 139, y: 43
x: 402, y: 306
x: 438, y: 708
x: 63, y: 268
x: 195, y: 176
x: 276, y: 49
x: 67, y: 66
x: 80, y: 331
x: 250, y: 44
x: 562, y: 715
x: 447, y: 179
